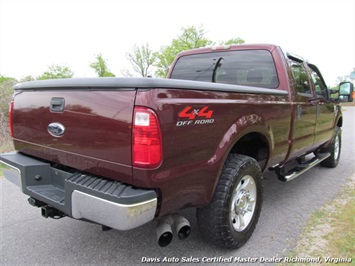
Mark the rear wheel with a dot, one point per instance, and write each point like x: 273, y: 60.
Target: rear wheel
x: 335, y: 150
x: 230, y: 219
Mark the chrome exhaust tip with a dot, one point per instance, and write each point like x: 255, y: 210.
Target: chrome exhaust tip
x: 165, y: 231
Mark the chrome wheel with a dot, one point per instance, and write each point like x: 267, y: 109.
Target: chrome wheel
x: 243, y: 203
x: 334, y: 149
x: 230, y: 218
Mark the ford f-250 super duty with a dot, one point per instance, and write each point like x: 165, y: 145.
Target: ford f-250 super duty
x: 121, y: 152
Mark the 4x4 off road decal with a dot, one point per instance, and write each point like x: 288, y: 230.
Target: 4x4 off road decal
x: 191, y: 116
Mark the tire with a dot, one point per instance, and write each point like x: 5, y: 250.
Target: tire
x: 335, y: 150
x: 230, y: 218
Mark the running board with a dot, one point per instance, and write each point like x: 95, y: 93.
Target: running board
x: 301, y: 168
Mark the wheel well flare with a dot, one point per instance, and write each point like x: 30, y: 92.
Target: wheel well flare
x: 254, y: 145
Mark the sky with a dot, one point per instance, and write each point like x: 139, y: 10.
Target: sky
x: 36, y: 34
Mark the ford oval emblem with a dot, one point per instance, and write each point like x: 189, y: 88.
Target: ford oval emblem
x: 56, y: 129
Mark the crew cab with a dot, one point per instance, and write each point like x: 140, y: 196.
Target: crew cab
x: 121, y: 152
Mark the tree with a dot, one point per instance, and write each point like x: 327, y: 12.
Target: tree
x: 341, y: 79
x: 6, y: 92
x: 27, y: 78
x: 165, y: 57
x: 100, y: 67
x: 126, y: 73
x: 233, y: 41
x: 7, y: 79
x: 191, y: 37
x: 56, y: 72
x: 142, y: 59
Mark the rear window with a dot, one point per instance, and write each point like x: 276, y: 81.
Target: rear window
x: 247, y: 67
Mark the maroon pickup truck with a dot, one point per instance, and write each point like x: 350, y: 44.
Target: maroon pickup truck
x: 121, y: 152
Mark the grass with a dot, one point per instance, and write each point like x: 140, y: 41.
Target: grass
x: 342, y: 239
x: 6, y: 92
x: 5, y: 147
x: 2, y: 167
x: 330, y: 232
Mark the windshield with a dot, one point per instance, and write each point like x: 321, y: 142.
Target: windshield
x: 245, y: 67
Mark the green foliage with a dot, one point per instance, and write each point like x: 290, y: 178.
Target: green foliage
x: 6, y: 93
x: 27, y: 78
x: 341, y: 79
x: 191, y: 37
x: 165, y: 57
x: 233, y: 41
x: 6, y: 79
x: 142, y: 59
x: 100, y: 67
x: 56, y: 72
x: 2, y: 167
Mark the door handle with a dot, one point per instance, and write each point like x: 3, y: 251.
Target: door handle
x: 299, y: 112
x: 57, y: 105
x: 318, y: 110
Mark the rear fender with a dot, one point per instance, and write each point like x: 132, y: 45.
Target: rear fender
x: 241, y: 127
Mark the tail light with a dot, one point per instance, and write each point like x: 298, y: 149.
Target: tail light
x: 11, y: 108
x: 146, y: 139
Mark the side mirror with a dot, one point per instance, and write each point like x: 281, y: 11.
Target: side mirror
x: 346, y: 92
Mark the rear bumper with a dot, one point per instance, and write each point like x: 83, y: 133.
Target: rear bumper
x: 81, y: 196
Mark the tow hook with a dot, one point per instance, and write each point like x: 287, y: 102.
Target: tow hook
x: 35, y: 203
x: 46, y: 210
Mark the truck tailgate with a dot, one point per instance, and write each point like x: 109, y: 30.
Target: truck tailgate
x: 83, y: 128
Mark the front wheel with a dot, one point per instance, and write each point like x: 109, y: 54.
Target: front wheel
x: 335, y: 149
x: 230, y: 219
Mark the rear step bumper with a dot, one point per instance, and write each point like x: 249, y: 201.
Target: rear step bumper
x: 81, y: 196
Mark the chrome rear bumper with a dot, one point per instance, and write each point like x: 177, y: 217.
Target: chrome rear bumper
x: 81, y: 196
x: 112, y: 214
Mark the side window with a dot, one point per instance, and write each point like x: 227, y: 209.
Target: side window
x: 319, y: 85
x: 300, y: 77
